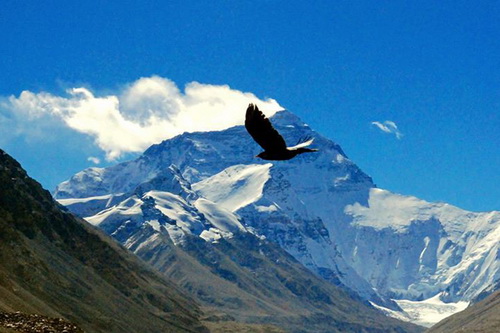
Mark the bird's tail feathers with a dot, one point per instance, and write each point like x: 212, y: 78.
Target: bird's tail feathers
x: 305, y: 150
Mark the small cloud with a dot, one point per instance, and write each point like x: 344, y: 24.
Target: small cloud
x: 388, y: 127
x: 94, y: 160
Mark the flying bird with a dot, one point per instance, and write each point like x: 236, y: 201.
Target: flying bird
x: 263, y: 132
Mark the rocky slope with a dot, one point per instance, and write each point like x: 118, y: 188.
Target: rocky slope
x: 55, y: 265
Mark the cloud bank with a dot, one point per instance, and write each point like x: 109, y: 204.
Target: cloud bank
x: 144, y: 112
x: 388, y: 127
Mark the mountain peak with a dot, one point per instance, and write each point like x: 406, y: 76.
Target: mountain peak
x: 286, y: 118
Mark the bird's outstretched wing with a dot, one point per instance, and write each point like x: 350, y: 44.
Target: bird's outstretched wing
x: 262, y: 131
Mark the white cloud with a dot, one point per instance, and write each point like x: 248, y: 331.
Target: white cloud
x: 94, y: 160
x: 145, y: 112
x: 388, y: 127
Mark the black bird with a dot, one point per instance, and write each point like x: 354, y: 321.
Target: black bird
x: 267, y: 137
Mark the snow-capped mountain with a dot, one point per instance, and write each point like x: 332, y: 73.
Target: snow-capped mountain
x: 319, y: 207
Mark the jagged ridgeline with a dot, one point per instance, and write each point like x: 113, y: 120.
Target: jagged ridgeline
x: 197, y: 192
x: 54, y: 264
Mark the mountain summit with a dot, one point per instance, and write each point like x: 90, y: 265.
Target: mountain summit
x: 275, y: 149
x: 321, y: 208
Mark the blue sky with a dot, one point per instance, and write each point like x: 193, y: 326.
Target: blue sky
x: 410, y: 90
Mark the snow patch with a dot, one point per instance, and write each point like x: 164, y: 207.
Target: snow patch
x: 235, y: 187
x: 155, y: 224
x: 266, y: 209
x: 176, y: 209
x: 213, y: 235
x: 147, y: 243
x: 68, y: 202
x: 219, y: 217
x: 176, y: 234
x: 387, y: 210
x: 430, y: 311
x: 391, y: 313
x: 125, y: 210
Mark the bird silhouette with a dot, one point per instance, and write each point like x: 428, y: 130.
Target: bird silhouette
x: 263, y: 132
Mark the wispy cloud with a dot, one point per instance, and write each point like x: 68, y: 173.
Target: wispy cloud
x: 94, y: 160
x: 144, y: 112
x: 388, y: 127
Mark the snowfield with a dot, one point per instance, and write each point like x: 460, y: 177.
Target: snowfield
x: 430, y: 311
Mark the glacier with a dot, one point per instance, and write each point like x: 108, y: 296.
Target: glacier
x: 321, y: 208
